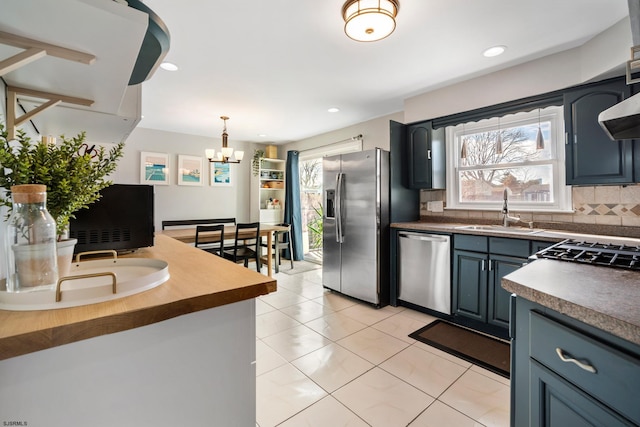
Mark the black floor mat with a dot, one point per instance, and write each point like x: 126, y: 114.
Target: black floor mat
x: 490, y: 353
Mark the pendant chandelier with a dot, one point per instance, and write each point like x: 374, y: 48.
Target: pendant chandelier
x: 224, y: 155
x: 369, y: 20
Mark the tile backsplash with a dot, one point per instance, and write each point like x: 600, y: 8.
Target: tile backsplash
x: 601, y: 205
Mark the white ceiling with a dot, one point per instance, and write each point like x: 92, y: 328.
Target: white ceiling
x: 276, y: 66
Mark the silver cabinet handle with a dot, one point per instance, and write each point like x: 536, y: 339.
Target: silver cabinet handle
x: 484, y: 267
x: 429, y: 154
x: 566, y: 357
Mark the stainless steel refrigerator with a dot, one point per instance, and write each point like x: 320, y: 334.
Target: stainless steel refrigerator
x: 356, y: 225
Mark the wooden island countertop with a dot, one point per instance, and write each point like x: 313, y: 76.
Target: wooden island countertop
x: 198, y: 281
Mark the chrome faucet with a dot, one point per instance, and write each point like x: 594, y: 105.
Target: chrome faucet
x: 506, y: 218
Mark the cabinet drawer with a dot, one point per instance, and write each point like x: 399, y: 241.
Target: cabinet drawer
x: 511, y: 247
x: 616, y: 374
x: 471, y: 243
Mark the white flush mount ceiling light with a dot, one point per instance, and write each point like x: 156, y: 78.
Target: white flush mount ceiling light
x: 369, y: 20
x: 333, y: 110
x: 169, y: 66
x: 224, y: 155
x: 494, y: 51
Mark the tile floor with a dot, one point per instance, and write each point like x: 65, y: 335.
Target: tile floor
x: 327, y: 360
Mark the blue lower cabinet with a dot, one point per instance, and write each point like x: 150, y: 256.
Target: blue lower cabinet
x: 567, y: 373
x: 556, y: 402
x: 470, y: 284
x: 498, y: 298
x: 478, y: 269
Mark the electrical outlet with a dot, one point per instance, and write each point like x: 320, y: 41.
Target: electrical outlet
x: 435, y: 206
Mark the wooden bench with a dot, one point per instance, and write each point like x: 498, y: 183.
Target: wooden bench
x: 192, y: 222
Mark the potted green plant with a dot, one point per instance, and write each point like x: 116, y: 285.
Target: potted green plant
x: 258, y: 155
x: 73, y: 172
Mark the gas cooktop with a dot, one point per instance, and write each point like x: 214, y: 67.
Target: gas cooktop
x: 603, y: 254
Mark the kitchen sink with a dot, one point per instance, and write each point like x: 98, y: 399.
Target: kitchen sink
x: 500, y: 229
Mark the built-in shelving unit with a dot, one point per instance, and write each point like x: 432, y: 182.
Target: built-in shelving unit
x: 271, y: 178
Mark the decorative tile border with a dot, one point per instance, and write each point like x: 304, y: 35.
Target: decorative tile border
x: 609, y: 209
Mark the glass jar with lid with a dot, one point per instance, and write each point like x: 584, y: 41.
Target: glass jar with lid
x: 30, y: 241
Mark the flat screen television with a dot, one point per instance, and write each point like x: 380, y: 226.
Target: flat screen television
x: 122, y: 219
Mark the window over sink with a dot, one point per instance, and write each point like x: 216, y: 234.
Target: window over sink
x: 487, y: 156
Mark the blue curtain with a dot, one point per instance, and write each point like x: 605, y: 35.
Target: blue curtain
x: 292, y: 210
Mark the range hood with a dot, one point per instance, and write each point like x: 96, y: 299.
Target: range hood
x: 622, y: 121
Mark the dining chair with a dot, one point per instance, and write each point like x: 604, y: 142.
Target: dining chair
x: 214, y: 247
x: 246, y: 245
x: 284, y: 241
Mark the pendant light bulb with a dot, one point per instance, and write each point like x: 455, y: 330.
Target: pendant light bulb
x: 539, y: 140
x: 499, y: 139
x: 539, y: 137
x: 463, y: 148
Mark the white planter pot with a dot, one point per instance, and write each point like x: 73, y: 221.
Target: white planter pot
x: 35, y: 268
x: 64, y: 249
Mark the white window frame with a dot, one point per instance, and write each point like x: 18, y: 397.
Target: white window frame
x: 562, y: 192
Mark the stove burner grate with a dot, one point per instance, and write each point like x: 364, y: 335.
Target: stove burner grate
x: 604, y: 254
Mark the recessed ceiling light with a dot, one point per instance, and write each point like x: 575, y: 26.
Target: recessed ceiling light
x: 494, y: 51
x: 168, y: 66
x: 262, y: 135
x: 333, y: 110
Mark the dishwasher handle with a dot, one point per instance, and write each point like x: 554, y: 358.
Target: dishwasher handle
x: 425, y: 237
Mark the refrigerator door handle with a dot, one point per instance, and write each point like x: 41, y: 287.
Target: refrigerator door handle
x: 338, y: 212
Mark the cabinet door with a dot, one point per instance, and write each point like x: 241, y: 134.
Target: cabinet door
x: 425, y: 157
x: 498, y: 302
x: 555, y: 402
x: 591, y: 156
x: 419, y: 155
x: 470, y: 284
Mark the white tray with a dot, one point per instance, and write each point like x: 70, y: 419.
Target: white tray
x: 133, y: 275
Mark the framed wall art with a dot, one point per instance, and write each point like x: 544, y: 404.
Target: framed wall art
x: 154, y: 168
x: 189, y: 170
x: 220, y: 175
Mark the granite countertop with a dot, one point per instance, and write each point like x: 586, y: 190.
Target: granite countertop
x: 513, y: 232
x: 199, y: 281
x: 606, y: 298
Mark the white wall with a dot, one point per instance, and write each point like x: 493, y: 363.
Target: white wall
x: 188, y: 202
x: 601, y: 57
x: 375, y: 133
x: 594, y: 60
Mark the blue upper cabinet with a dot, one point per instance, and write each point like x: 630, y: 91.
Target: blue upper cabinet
x: 424, y: 157
x: 591, y: 156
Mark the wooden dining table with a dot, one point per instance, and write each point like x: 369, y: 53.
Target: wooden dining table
x: 188, y: 235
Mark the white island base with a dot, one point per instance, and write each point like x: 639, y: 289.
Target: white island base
x: 197, y: 369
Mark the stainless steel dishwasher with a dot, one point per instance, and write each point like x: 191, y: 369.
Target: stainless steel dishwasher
x: 424, y: 272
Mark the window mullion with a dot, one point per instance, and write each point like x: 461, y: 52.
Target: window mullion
x: 507, y: 165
